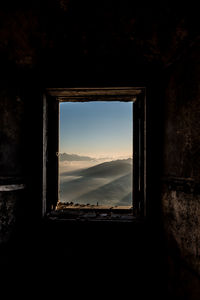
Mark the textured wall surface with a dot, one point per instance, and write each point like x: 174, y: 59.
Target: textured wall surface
x: 12, y: 205
x: 7, y: 215
x: 182, y: 219
x: 181, y: 190
x: 11, y: 133
x: 12, y: 150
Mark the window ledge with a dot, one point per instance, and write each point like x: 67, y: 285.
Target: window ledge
x: 93, y: 214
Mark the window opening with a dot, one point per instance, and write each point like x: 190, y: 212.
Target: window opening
x: 94, y: 159
x: 96, y: 155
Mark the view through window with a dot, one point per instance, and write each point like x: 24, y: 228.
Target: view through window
x: 96, y: 154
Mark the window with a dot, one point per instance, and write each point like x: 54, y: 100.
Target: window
x: 94, y: 153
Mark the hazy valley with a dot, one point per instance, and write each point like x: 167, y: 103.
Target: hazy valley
x: 85, y: 180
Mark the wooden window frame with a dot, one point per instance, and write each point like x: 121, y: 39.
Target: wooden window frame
x: 51, y: 99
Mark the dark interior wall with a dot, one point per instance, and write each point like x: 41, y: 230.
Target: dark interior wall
x: 11, y: 149
x: 61, y: 43
x: 12, y: 120
x: 180, y: 200
x: 21, y: 156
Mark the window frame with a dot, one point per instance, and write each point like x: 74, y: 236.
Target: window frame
x: 51, y: 99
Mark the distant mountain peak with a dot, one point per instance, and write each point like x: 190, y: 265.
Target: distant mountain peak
x: 74, y: 157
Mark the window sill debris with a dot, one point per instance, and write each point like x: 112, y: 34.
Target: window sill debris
x: 88, y: 212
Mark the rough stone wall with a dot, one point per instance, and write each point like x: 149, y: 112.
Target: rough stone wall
x: 11, y: 157
x: 11, y: 133
x: 10, y: 202
x: 182, y: 224
x: 181, y: 170
x: 20, y: 155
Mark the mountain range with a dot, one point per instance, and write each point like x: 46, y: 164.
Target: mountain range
x: 74, y: 157
x: 108, y: 183
x: 106, y: 169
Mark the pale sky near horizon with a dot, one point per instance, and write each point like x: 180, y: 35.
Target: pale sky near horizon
x: 96, y: 129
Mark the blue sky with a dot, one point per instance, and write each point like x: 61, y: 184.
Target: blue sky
x: 97, y: 129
